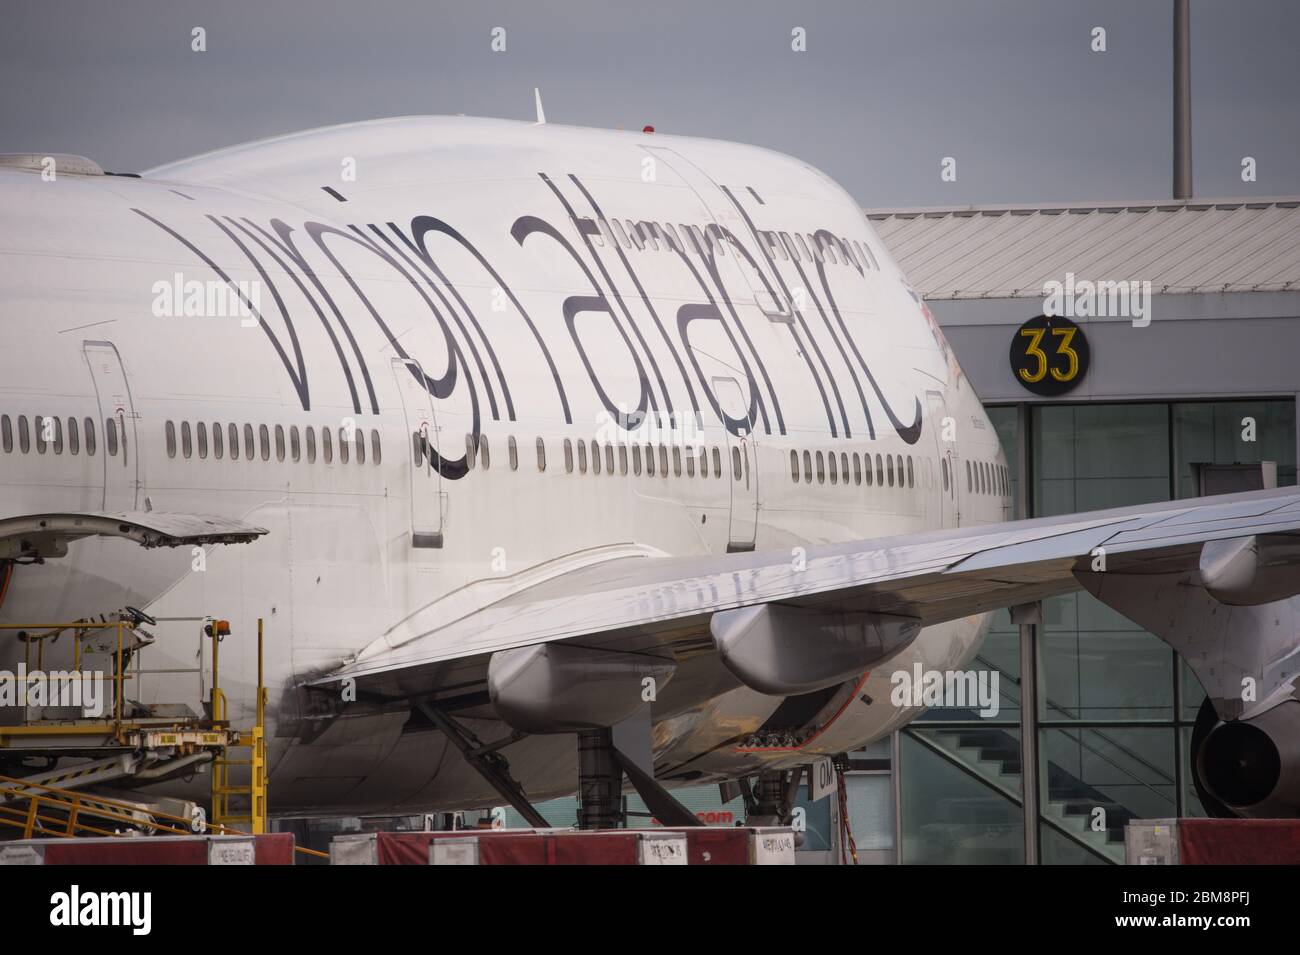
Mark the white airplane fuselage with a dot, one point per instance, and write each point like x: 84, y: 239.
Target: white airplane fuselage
x: 497, y: 288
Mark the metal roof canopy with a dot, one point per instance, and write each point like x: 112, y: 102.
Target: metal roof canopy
x: 1180, y: 247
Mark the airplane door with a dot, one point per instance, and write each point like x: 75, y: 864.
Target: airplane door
x: 723, y: 212
x: 119, y: 447
x: 741, y: 467
x: 949, y: 498
x: 421, y: 439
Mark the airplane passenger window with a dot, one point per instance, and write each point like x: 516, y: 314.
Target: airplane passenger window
x: 58, y: 434
x: 636, y: 459
x: 717, y: 463
x: 821, y: 469
x: 469, y: 452
x: 541, y: 455
x: 807, y: 468
x: 360, y: 437
x: 844, y: 466
x: 690, y: 461
x: 790, y: 246
x: 187, y: 442
x: 89, y: 426
x: 170, y: 431
x: 911, y: 482
x: 73, y: 443
x: 719, y: 244
x: 735, y: 463
x: 249, y: 447
x: 38, y: 425
x: 568, y: 456
x: 604, y: 231
x: 701, y: 242
x: 794, y: 466
x: 295, y: 443
x: 217, y: 447
x: 233, y: 433
x: 622, y: 236
x: 343, y: 446
x: 582, y: 456
x: 264, y: 433
x: 417, y: 448
x: 484, y: 452
x: 327, y: 446
x: 513, y: 453
x: 7, y: 433
x: 110, y: 436
x: 609, y: 459
x: 663, y: 461
x: 677, y: 461
x: 834, y: 469
x: 857, y: 469
x: 803, y: 247
x: 830, y: 252
x: 649, y: 460
x: 866, y: 247
x: 622, y: 459
x: 595, y: 458
x: 376, y: 452
x: 634, y: 235
x: 675, y: 240
x: 311, y: 446
x: 889, y: 469
x: 779, y: 248
x: 970, y: 486
x: 279, y: 442
x: 703, y: 456
x: 201, y: 437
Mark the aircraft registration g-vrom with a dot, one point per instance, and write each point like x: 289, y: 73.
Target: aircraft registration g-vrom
x: 525, y: 439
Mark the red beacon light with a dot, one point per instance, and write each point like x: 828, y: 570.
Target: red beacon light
x: 648, y: 129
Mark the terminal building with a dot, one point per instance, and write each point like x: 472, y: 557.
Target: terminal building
x: 1207, y: 376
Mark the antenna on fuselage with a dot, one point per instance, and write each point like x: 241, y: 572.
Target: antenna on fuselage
x: 541, y: 114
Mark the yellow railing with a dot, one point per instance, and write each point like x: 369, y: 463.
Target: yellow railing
x: 223, y: 788
x: 81, y: 632
x: 54, y: 812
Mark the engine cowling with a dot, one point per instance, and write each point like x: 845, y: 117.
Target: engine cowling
x: 1253, y: 766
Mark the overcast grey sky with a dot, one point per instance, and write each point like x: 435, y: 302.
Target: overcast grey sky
x: 885, y: 90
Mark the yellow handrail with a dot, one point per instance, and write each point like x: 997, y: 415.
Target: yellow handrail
x: 74, y: 803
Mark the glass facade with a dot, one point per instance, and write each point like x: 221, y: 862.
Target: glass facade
x: 1115, y: 705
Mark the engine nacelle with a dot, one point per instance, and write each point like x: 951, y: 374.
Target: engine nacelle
x: 1253, y: 766
x: 557, y: 688
x: 1249, y: 571
x: 786, y: 651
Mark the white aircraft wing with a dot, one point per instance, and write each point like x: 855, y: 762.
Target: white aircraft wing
x: 1234, y: 552
x: 48, y: 535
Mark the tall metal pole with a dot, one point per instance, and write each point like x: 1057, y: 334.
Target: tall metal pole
x: 1182, y: 101
x: 1029, y: 777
